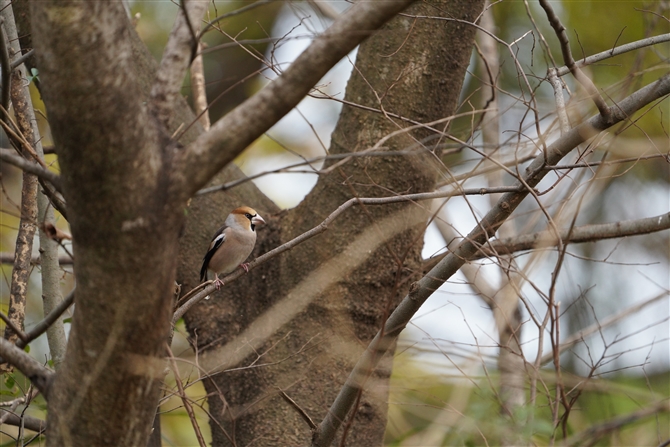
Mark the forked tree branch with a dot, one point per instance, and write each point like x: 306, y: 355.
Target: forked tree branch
x: 229, y: 136
x: 202, y: 291
x: 579, y: 75
x: 38, y: 375
x: 10, y: 156
x: 597, y: 327
x: 176, y: 58
x: 420, y: 291
x: 585, y: 233
x: 621, y: 49
x: 42, y: 326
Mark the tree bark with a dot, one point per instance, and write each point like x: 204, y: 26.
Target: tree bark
x: 333, y: 292
x: 28, y: 220
x: 124, y: 217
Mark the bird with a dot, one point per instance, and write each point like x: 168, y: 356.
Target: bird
x: 231, y: 244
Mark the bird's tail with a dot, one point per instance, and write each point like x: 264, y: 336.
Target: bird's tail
x: 203, y: 272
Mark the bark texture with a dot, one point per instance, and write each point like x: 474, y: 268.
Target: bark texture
x: 329, y: 296
x: 125, y: 218
x: 28, y: 221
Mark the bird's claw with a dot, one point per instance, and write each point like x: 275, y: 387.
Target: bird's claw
x: 245, y: 267
x: 218, y: 282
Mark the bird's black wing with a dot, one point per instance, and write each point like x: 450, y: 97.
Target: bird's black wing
x: 217, y: 241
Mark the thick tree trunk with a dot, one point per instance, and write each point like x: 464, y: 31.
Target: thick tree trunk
x: 312, y: 312
x: 125, y: 216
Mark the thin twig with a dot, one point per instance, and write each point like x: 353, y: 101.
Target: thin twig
x: 625, y: 48
x: 597, y: 431
x: 19, y: 60
x: 323, y: 226
x: 585, y: 233
x: 38, y: 375
x: 235, y: 131
x: 584, y: 80
x: 592, y: 164
x: 242, y: 10
x: 41, y: 327
x: 560, y: 101
x: 55, y: 198
x: 16, y: 136
x: 303, y: 414
x: 579, y: 336
x: 10, y: 156
x: 6, y: 70
x: 421, y: 290
x: 185, y: 400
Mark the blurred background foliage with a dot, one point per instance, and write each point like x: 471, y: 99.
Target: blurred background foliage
x: 434, y: 404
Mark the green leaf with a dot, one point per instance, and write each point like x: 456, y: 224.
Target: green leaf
x: 33, y: 75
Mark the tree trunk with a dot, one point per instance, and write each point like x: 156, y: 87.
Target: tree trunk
x: 125, y: 218
x: 312, y: 312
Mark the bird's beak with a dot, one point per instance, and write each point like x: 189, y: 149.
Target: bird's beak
x: 257, y: 219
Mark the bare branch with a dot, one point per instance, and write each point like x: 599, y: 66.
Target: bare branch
x: 414, y: 150
x: 10, y: 406
x: 31, y: 368
x: 29, y: 422
x: 584, y: 80
x: 27, y: 124
x: 466, y: 250
x: 200, y: 107
x: 10, y: 156
x: 560, y: 101
x: 324, y: 9
x: 8, y: 258
x: 586, y: 233
x: 41, y: 327
x: 595, y: 432
x: 6, y: 69
x: 323, y: 226
x: 229, y: 136
x: 576, y: 338
x: 625, y: 48
x: 15, y: 329
x: 55, y: 198
x: 176, y: 59
x: 303, y: 414
x: 185, y: 399
x: 242, y: 10
x: 22, y: 255
x: 19, y: 60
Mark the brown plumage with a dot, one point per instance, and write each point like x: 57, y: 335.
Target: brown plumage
x: 232, y: 244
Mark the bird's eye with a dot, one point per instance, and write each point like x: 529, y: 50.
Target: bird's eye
x: 248, y: 216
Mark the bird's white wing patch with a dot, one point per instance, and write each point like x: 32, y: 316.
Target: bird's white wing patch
x: 218, y: 240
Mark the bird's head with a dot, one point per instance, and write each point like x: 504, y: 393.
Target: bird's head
x: 248, y: 217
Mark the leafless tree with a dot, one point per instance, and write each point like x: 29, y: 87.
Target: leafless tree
x: 300, y: 349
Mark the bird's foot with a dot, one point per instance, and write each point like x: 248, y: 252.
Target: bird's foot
x: 218, y: 282
x: 245, y: 267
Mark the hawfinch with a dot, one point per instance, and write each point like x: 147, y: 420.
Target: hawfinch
x: 232, y: 244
